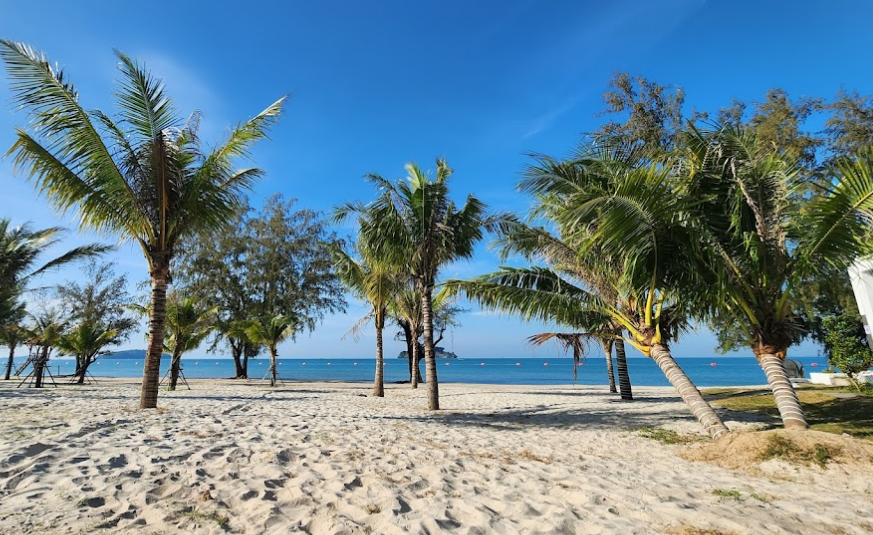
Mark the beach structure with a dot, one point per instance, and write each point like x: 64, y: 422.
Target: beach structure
x: 861, y: 275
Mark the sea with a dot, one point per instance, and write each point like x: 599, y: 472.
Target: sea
x: 717, y: 371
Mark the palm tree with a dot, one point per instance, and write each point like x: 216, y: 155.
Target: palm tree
x: 44, y: 334
x: 20, y: 251
x: 575, y: 342
x: 269, y: 331
x: 188, y: 325
x: 373, y: 281
x: 405, y: 308
x: 414, y: 223
x: 764, y: 241
x: 589, y: 270
x: 631, y: 218
x: 146, y: 179
x: 85, y: 341
x: 12, y: 334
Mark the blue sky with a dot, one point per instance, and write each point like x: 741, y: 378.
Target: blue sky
x: 374, y: 85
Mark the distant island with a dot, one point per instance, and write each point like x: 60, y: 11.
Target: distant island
x: 441, y: 353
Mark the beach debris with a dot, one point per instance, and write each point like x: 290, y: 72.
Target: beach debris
x: 205, y: 496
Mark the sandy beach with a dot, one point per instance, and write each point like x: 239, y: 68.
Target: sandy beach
x: 324, y: 458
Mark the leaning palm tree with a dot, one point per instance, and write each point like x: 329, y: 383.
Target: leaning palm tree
x: 631, y: 218
x: 188, y: 325
x: 375, y: 282
x: 414, y: 223
x: 145, y: 179
x: 269, y: 331
x: 85, y: 341
x: 764, y: 241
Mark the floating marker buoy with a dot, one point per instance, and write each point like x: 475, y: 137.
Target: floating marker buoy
x: 713, y: 364
x: 328, y: 363
x: 137, y: 362
x: 518, y: 363
x: 196, y: 363
x: 581, y: 364
x: 447, y: 363
x: 356, y: 364
x: 814, y: 364
x: 545, y: 363
x: 304, y: 364
x: 216, y: 363
x: 481, y: 364
x: 260, y: 364
x: 117, y: 362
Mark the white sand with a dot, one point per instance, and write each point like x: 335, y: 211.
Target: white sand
x: 320, y: 458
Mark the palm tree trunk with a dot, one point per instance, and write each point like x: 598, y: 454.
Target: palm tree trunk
x: 783, y: 391
x: 407, y: 334
x: 10, y: 362
x: 151, y: 372
x: 274, y: 375
x: 82, y: 369
x: 236, y: 351
x: 607, y: 350
x: 39, y: 367
x: 690, y: 395
x: 379, y: 384
x: 175, y: 366
x: 416, y: 361
x: 430, y: 368
x: 624, y: 383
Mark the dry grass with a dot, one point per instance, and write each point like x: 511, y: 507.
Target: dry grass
x: 692, y: 530
x: 801, y: 448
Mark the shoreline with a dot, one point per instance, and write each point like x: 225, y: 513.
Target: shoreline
x: 325, y: 458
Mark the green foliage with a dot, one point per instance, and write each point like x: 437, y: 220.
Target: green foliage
x: 652, y: 113
x: 846, y: 345
x: 779, y: 447
x: 731, y: 494
x: 666, y: 436
x: 276, y: 261
x: 102, y: 299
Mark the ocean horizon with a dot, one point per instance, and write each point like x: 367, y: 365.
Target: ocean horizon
x: 713, y: 371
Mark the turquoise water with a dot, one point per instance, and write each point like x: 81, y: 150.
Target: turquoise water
x: 726, y: 371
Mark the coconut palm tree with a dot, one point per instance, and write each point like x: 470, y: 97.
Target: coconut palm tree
x: 188, y: 325
x: 405, y: 308
x: 43, y: 335
x: 375, y: 282
x: 630, y: 218
x: 85, y: 341
x: 575, y: 342
x: 764, y: 241
x: 414, y: 223
x: 145, y: 179
x: 12, y: 334
x: 539, y: 244
x: 21, y: 249
x: 269, y: 331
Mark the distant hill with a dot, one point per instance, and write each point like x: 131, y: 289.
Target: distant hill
x: 441, y: 353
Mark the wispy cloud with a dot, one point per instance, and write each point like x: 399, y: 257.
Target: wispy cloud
x: 547, y: 119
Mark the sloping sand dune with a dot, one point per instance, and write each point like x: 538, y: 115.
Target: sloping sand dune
x: 323, y: 458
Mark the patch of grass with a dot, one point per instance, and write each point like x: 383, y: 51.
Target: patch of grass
x: 199, y: 516
x: 782, y: 448
x: 528, y: 455
x: 666, y: 436
x: 759, y: 497
x: 732, y: 494
x: 824, y: 412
